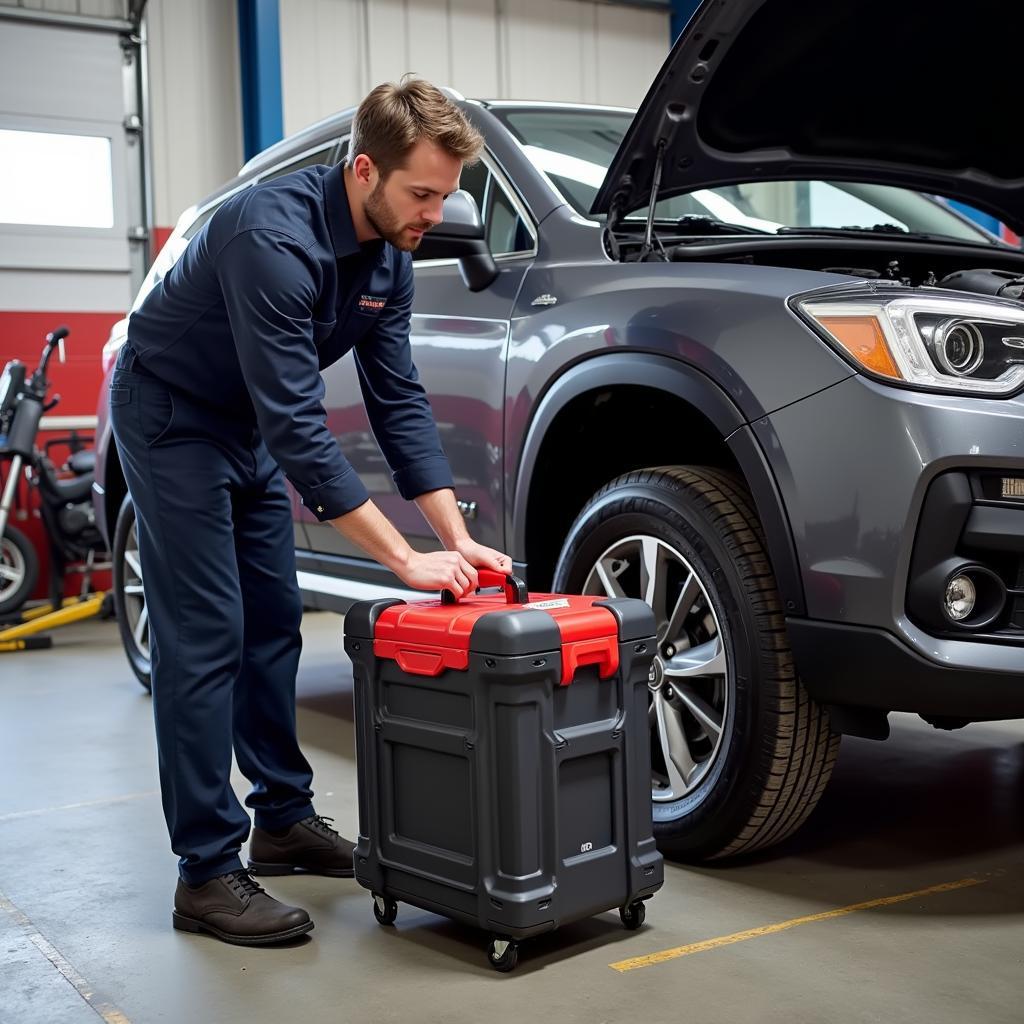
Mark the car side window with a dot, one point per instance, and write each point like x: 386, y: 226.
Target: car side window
x: 193, y: 229
x: 333, y: 153
x: 506, y: 231
x: 474, y: 181
x: 323, y: 155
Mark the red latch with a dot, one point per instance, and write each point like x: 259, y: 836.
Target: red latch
x: 603, y: 651
x: 421, y: 660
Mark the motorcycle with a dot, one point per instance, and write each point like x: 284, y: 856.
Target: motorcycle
x: 64, y: 495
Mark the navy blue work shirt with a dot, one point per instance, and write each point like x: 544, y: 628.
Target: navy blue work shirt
x: 273, y: 289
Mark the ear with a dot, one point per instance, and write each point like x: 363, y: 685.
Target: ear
x: 364, y: 170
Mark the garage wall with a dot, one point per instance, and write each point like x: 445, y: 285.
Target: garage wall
x: 334, y: 51
x: 195, y: 101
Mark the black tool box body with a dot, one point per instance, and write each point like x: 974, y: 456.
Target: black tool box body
x: 502, y: 781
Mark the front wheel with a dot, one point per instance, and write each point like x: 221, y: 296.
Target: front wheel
x: 19, y: 570
x: 740, y: 752
x: 129, y: 597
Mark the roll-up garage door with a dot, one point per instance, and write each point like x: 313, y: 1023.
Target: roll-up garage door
x: 72, y: 235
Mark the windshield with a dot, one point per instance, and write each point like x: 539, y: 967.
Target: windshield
x: 573, y: 148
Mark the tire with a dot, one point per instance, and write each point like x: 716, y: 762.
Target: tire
x: 129, y: 597
x: 740, y: 753
x: 19, y: 570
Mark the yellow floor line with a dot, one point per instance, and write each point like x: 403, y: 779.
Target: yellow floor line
x: 109, y: 1014
x: 102, y: 802
x: 770, y: 929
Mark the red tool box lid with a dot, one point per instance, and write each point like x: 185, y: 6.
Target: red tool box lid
x: 427, y: 637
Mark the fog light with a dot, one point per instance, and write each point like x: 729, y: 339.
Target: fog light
x: 960, y: 598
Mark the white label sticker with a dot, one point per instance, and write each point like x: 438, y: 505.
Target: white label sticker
x: 562, y: 602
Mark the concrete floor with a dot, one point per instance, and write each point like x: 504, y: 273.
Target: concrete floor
x: 86, y: 879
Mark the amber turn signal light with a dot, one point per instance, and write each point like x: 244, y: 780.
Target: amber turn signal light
x: 862, y: 337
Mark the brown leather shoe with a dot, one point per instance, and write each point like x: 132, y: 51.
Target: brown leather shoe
x: 236, y: 909
x: 309, y: 846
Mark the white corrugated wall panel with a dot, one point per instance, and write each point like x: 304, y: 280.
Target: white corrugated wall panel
x: 631, y: 46
x: 546, y: 49
x: 428, y: 31
x: 322, y: 58
x: 60, y: 6
x: 195, y: 99
x: 334, y: 51
x: 475, y: 35
x: 388, y: 40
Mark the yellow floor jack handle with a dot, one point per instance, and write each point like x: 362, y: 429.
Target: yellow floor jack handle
x: 22, y: 636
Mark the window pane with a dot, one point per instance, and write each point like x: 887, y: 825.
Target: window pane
x: 193, y: 229
x: 321, y: 156
x: 474, y: 181
x: 506, y: 232
x: 574, y: 148
x: 55, y: 180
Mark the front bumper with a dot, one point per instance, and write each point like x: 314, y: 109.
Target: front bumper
x: 855, y: 464
x: 858, y: 666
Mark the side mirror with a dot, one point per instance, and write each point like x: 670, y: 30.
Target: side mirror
x: 461, y: 236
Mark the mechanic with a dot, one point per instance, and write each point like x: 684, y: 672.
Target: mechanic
x: 216, y: 392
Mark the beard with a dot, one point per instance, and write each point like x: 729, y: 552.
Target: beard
x: 388, y: 224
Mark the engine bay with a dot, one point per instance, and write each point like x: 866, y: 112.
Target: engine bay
x: 984, y: 270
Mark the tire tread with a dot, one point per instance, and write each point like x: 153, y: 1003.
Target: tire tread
x: 796, y: 766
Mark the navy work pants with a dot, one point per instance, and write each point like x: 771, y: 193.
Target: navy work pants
x: 216, y: 544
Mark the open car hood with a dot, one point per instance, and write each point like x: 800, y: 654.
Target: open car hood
x: 919, y: 93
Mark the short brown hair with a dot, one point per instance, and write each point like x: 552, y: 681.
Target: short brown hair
x: 393, y: 118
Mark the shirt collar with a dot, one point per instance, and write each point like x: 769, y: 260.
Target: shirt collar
x: 339, y: 218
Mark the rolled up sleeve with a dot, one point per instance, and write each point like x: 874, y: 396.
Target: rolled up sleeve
x: 396, y: 403
x: 270, y: 281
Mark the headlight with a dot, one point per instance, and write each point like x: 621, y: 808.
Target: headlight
x: 937, y: 342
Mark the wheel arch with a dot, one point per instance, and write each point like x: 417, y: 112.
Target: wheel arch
x: 587, y: 404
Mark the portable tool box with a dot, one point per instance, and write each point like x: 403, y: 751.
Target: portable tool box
x: 503, y: 757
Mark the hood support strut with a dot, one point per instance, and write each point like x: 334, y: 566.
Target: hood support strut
x: 648, y: 246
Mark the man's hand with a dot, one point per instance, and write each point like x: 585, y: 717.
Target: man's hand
x: 453, y: 570
x: 438, y: 570
x: 482, y: 557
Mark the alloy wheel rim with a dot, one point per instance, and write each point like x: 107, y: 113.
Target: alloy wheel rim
x: 12, y: 568
x: 136, y: 613
x: 690, y: 681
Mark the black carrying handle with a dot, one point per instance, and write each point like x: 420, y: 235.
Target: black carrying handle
x: 515, y: 588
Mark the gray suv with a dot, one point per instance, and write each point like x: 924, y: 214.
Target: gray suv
x: 732, y: 355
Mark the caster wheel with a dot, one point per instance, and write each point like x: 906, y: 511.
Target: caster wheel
x: 633, y: 915
x: 385, y: 909
x: 503, y: 954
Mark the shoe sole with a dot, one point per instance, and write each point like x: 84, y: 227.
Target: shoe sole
x: 264, y: 868
x: 190, y: 924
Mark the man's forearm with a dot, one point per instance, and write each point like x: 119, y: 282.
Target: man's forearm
x: 442, y: 513
x: 371, y: 530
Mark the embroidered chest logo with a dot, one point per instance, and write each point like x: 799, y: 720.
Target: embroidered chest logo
x: 371, y: 303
